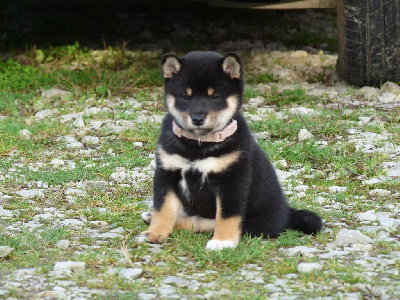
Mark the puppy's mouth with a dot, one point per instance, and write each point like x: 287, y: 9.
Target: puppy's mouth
x: 200, y: 131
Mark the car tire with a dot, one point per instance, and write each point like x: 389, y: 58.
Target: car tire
x: 369, y: 41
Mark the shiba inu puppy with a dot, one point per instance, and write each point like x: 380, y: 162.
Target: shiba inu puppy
x: 211, y: 175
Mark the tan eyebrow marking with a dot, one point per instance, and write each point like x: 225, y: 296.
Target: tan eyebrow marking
x: 210, y: 91
x: 189, y: 91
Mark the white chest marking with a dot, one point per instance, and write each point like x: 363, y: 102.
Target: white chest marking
x: 175, y: 162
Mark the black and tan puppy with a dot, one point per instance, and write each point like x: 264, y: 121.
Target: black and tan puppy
x: 211, y: 175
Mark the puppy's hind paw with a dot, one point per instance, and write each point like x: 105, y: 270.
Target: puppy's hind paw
x: 219, y: 245
x: 146, y: 217
x: 153, y: 237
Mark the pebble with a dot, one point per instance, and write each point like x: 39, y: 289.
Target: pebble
x: 69, y: 265
x: 303, y: 111
x: 367, y: 216
x: 337, y: 189
x: 5, y: 251
x: 46, y: 113
x: 347, y: 237
x: 91, y: 140
x: 308, y: 267
x: 55, y: 93
x: 63, y: 244
x: 76, y: 192
x: 25, y: 133
x: 131, y: 273
x: 390, y: 87
x: 304, y: 135
x: 380, y: 193
x: 30, y: 193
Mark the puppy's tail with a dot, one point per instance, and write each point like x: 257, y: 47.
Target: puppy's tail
x: 305, y: 221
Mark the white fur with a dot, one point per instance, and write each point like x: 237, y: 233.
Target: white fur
x: 219, y: 245
x: 174, y: 162
x: 146, y: 216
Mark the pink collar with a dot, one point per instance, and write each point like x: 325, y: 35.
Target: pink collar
x: 215, y: 137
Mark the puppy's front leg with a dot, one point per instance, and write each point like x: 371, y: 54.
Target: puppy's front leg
x: 227, y: 229
x: 163, y: 220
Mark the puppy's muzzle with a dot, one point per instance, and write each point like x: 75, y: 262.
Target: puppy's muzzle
x: 198, y: 119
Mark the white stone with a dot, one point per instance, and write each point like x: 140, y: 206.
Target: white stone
x: 72, y: 222
x: 371, y: 181
x: 55, y: 93
x: 304, y: 135
x: 390, y: 87
x: 63, y: 244
x: 131, y: 273
x: 364, y: 120
x: 57, y: 162
x: 255, y: 101
x: 109, y: 235
x: 46, y: 113
x: 5, y: 212
x: 379, y: 192
x: 303, y: 111
x: 77, y: 145
x: 76, y: 192
x: 367, y: 216
x: 337, y: 189
x: 25, y: 133
x: 301, y: 188
x: 394, y: 171
x: 67, y: 138
x: 308, y: 267
x: 30, y: 193
x: 5, y: 251
x: 70, y: 117
x: 138, y: 144
x: 282, y: 175
x: 181, y: 282
x: 69, y: 265
x: 118, y: 176
x: 347, y: 237
x: 388, y: 222
x: 302, y: 250
x: 388, y: 98
x: 79, y: 123
x: 90, y: 140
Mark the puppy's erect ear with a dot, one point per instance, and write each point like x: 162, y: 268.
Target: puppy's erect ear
x: 232, y: 66
x: 170, y: 66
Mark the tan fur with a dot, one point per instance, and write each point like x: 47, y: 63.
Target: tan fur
x: 227, y: 229
x: 163, y: 221
x: 210, y: 91
x: 232, y: 66
x: 170, y: 67
x: 174, y: 162
x: 195, y: 223
x: 171, y: 162
x: 216, y: 164
x: 189, y: 91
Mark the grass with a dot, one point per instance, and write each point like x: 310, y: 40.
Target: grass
x: 127, y: 85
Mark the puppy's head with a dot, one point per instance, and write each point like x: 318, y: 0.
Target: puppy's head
x: 203, y: 90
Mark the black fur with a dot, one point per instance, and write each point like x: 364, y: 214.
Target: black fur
x: 249, y: 187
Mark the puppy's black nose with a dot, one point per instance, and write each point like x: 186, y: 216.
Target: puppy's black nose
x: 198, y: 120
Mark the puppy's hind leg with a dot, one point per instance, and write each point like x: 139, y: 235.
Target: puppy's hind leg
x: 195, y: 223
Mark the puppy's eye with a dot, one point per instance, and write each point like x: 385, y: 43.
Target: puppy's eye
x: 185, y: 96
x: 215, y: 96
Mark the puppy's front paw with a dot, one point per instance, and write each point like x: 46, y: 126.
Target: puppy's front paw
x: 219, y: 245
x: 153, y: 237
x: 146, y: 217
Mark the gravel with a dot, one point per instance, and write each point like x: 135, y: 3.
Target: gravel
x: 353, y: 244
